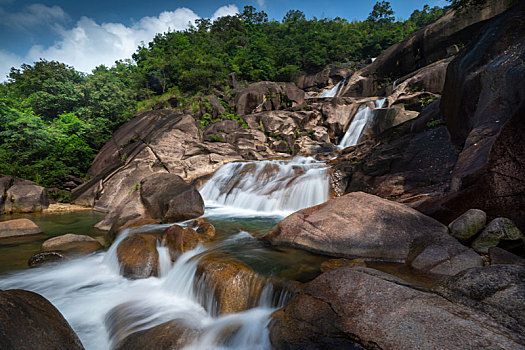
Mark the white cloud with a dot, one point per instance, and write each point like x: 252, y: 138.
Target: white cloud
x: 226, y: 10
x: 260, y: 3
x: 34, y: 15
x: 8, y: 60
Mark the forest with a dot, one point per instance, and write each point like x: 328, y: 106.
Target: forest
x: 54, y: 119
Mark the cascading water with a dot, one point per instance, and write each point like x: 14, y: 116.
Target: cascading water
x: 361, y: 119
x: 332, y: 92
x: 277, y: 186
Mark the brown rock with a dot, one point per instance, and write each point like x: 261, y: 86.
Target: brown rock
x: 232, y: 284
x: 498, y: 256
x: 138, y: 256
x: 180, y: 240
x: 168, y: 198
x: 333, y: 264
x: 29, y: 321
x: 71, y: 243
x: 18, y: 227
x: 351, y: 308
x: 267, y: 96
x: 363, y: 225
x: 25, y: 197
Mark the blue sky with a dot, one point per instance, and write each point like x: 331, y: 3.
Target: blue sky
x: 85, y: 34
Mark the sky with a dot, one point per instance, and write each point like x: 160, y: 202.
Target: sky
x: 85, y: 34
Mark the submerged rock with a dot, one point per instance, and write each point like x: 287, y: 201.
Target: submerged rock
x: 333, y: 264
x: 499, y: 229
x: 366, y: 226
x: 44, y: 258
x: 355, y: 308
x: 468, y: 224
x: 138, y: 256
x: 29, y: 321
x: 18, y: 227
x: 72, y: 244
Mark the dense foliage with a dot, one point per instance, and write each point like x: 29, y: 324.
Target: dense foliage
x: 54, y: 119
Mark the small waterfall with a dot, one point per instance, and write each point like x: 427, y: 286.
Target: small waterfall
x: 332, y: 92
x: 361, y: 119
x: 111, y: 258
x: 164, y: 260
x: 269, y: 186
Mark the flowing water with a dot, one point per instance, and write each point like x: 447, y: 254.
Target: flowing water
x: 359, y: 122
x: 243, y: 201
x: 332, y: 92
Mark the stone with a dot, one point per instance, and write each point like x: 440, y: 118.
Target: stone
x: 25, y: 197
x: 468, y: 224
x: 29, y: 321
x: 72, y: 244
x: 267, y: 96
x: 18, y: 227
x: 180, y: 240
x: 496, y: 290
x: 204, y: 228
x: 138, y: 256
x: 234, y: 286
x: 171, y: 335
x: 169, y: 199
x: 356, y: 308
x: 501, y: 256
x: 40, y: 259
x: 499, y: 229
x: 360, y: 225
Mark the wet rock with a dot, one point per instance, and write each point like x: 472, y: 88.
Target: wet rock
x: 338, y: 114
x: 18, y: 227
x: 501, y: 256
x: 180, y: 240
x: 29, y: 321
x: 366, y: 226
x: 168, y: 198
x: 204, y: 228
x: 333, y: 264
x: 21, y: 196
x: 233, y: 285
x: 138, y: 256
x: 468, y: 225
x: 499, y: 229
x: 354, y: 308
x: 72, y: 244
x: 44, y: 258
x: 171, y: 335
x: 497, y: 290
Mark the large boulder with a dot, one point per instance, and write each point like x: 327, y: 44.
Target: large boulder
x: 72, y: 244
x: 497, y: 290
x: 29, y: 321
x: 229, y: 286
x: 21, y: 196
x: 267, y: 96
x: 468, y: 224
x: 138, y: 256
x: 168, y: 198
x: 365, y: 226
x: 355, y: 308
x: 18, y: 227
x: 180, y: 240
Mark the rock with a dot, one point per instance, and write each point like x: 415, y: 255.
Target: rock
x: 366, y: 226
x: 21, y: 196
x: 180, y: 240
x: 44, y: 258
x: 29, y: 321
x: 496, y: 290
x: 333, y: 264
x: 233, y: 285
x: 138, y: 256
x: 338, y: 113
x: 499, y: 229
x: 267, y: 96
x: 204, y: 228
x: 168, y: 198
x: 18, y: 227
x: 171, y: 335
x: 500, y: 256
x: 355, y: 308
x: 72, y: 244
x: 468, y: 225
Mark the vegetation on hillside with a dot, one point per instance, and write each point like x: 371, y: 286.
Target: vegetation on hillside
x: 54, y: 119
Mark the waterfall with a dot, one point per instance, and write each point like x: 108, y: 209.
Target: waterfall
x: 361, y: 119
x: 332, y: 92
x: 275, y: 186
x: 164, y: 259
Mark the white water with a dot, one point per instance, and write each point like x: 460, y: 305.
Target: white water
x: 361, y: 119
x: 272, y: 187
x: 332, y: 92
